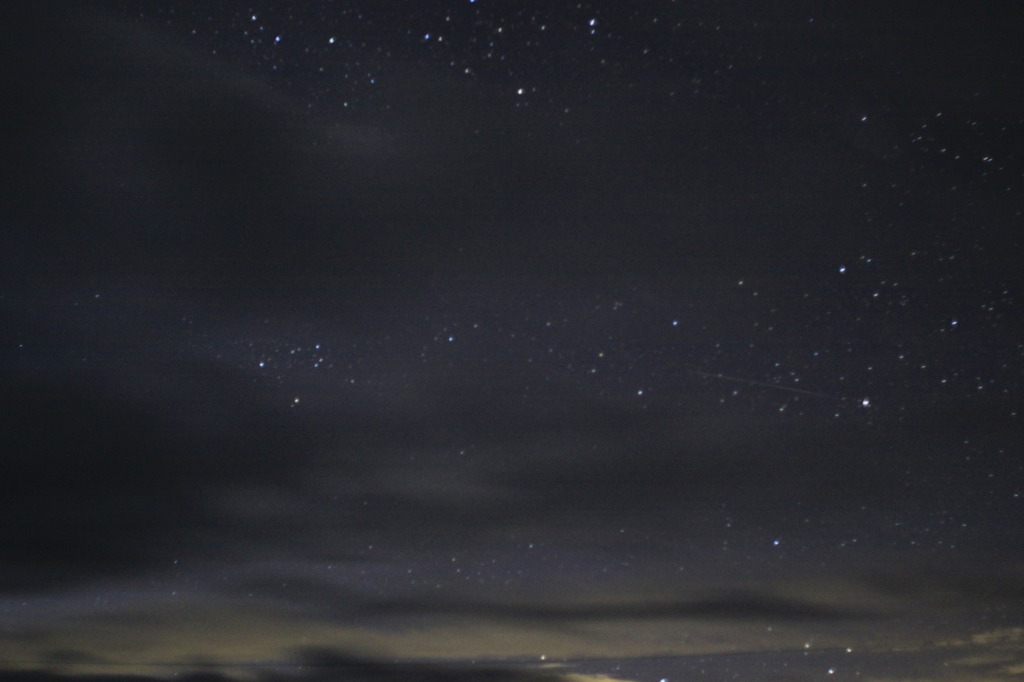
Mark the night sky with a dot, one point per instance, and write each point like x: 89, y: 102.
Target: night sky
x: 534, y: 341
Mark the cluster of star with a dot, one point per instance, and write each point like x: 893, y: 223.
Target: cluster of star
x: 875, y: 340
x: 343, y: 53
x: 973, y: 153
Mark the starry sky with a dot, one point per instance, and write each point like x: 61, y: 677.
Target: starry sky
x: 527, y: 341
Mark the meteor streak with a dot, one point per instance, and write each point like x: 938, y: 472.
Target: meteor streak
x: 750, y: 382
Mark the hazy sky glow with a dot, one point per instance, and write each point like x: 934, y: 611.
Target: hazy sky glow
x: 552, y: 342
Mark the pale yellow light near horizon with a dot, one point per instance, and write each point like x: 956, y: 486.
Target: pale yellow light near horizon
x: 177, y: 633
